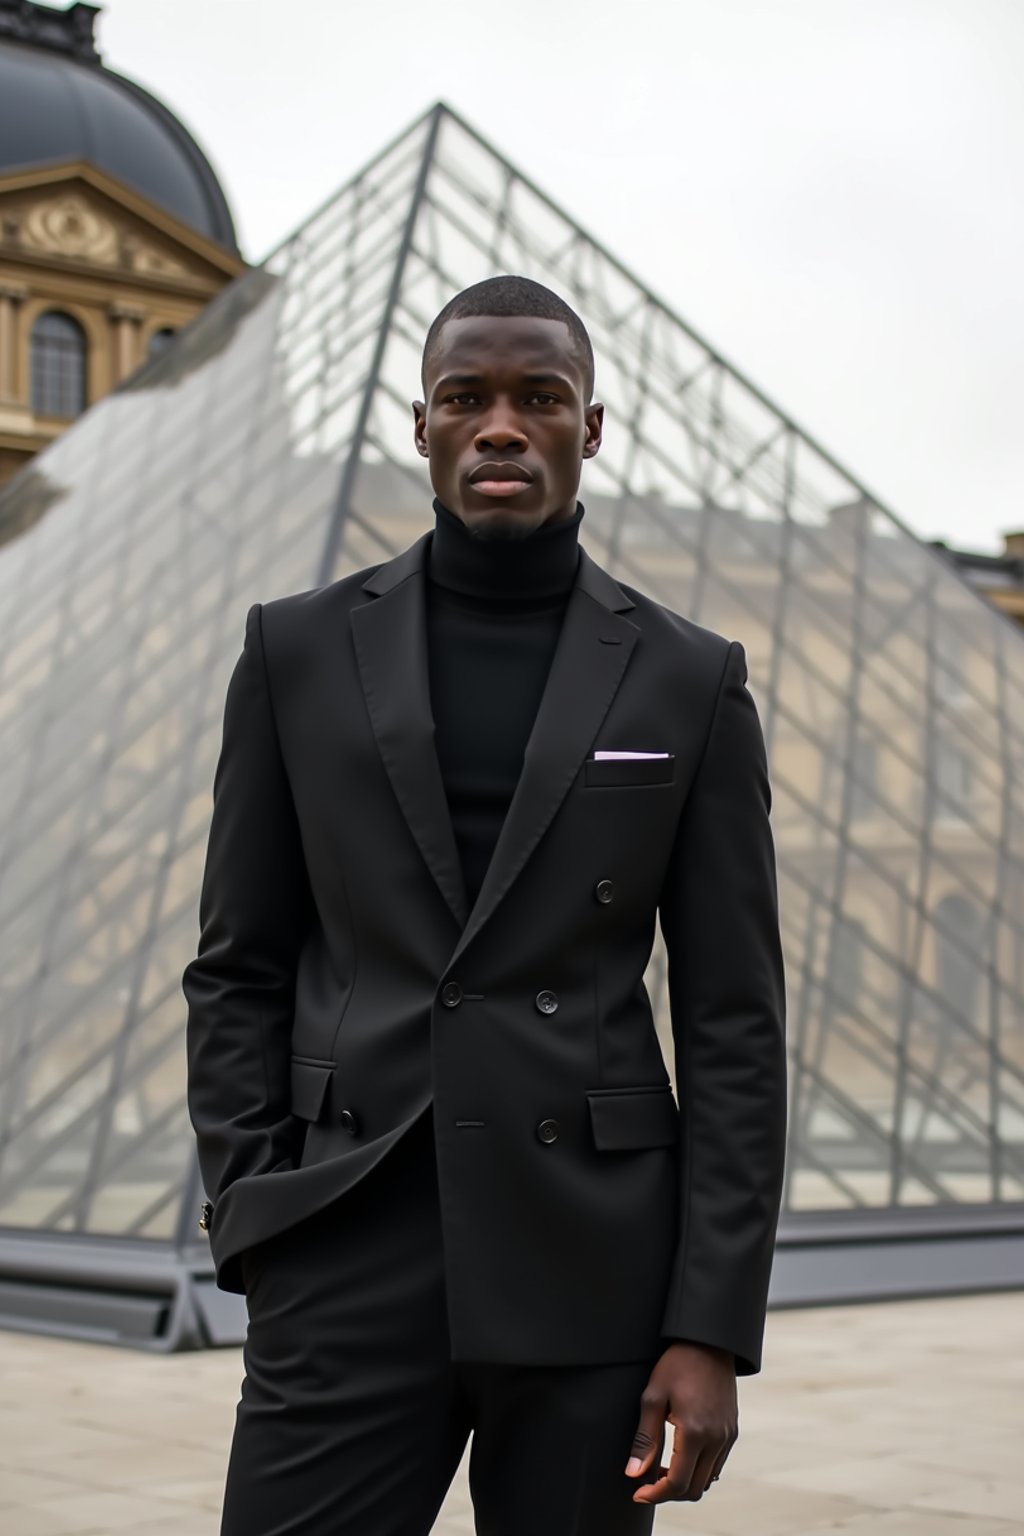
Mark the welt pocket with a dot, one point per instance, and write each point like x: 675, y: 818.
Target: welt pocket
x: 629, y: 770
x: 310, y: 1080
x: 628, y: 1119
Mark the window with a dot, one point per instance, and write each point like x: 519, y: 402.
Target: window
x: 959, y: 964
x: 950, y: 664
x: 846, y: 962
x: 863, y: 778
x: 58, y: 353
x: 953, y: 780
x: 160, y: 341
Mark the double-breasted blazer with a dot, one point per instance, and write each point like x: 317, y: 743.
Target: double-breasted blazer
x: 342, y: 984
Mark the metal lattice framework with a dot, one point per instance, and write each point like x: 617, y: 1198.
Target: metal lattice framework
x: 269, y: 450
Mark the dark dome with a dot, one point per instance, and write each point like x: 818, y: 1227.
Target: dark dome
x: 56, y: 107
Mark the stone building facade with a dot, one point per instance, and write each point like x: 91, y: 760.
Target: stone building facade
x: 114, y: 230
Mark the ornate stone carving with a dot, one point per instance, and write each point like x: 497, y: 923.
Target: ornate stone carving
x: 147, y: 259
x: 69, y: 225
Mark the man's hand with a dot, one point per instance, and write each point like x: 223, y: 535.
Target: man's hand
x: 693, y: 1386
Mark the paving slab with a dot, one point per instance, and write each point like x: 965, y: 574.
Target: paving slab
x: 899, y: 1419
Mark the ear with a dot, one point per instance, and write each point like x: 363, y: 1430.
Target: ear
x: 419, y: 431
x: 593, y: 418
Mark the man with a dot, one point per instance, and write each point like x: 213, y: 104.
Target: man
x: 445, y: 1162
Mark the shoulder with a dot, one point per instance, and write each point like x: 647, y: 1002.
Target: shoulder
x: 305, y: 613
x: 694, y: 645
x: 301, y: 615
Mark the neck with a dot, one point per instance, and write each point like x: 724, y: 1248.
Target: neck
x: 541, y: 564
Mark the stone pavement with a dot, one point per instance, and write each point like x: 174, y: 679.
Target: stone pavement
x: 899, y: 1420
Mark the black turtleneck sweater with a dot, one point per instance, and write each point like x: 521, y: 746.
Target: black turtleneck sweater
x: 494, y: 611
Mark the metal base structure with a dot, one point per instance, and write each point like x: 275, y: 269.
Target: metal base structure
x: 146, y: 1296
x: 152, y: 1297
x: 827, y: 1259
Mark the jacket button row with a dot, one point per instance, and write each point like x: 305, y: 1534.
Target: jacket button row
x: 548, y: 1131
x: 604, y: 890
x: 451, y: 994
x: 546, y: 1002
x: 349, y: 1122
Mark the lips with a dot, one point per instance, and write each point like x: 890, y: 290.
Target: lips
x: 500, y: 479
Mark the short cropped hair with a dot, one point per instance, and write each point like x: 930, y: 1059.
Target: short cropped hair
x: 503, y: 296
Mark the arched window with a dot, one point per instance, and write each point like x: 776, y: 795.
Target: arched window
x: 159, y: 341
x: 58, y: 365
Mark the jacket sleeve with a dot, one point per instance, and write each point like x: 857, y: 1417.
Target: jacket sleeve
x: 253, y: 910
x: 719, y: 917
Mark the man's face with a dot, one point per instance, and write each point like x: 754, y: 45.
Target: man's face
x: 506, y: 425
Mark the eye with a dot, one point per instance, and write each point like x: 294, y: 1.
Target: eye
x: 465, y: 398
x: 542, y: 397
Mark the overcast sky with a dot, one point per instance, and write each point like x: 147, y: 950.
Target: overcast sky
x: 830, y: 191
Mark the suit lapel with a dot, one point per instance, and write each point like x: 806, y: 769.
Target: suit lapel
x: 590, y: 660
x: 390, y: 635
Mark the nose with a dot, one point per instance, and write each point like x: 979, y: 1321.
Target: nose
x: 500, y: 430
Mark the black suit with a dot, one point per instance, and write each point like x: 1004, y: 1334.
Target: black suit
x: 342, y: 989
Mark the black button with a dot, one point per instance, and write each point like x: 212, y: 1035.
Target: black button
x: 451, y: 994
x: 349, y: 1122
x: 546, y: 1002
x: 548, y: 1131
x: 604, y: 890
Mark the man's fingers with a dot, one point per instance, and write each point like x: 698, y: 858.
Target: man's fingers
x: 650, y: 1435
x: 690, y: 1472
x: 722, y: 1458
x: 700, y: 1482
x: 646, y: 1494
x: 673, y: 1478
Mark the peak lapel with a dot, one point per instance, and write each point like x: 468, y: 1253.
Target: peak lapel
x: 590, y: 660
x: 390, y: 636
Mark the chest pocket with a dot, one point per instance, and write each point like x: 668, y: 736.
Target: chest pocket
x: 623, y: 771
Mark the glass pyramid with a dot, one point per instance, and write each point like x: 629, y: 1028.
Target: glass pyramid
x: 270, y: 450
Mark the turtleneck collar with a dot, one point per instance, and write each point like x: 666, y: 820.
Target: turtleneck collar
x: 543, y: 564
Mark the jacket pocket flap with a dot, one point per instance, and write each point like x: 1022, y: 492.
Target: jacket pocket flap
x: 629, y: 770
x: 622, y: 1119
x: 310, y: 1081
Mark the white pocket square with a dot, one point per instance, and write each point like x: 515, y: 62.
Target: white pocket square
x: 616, y: 756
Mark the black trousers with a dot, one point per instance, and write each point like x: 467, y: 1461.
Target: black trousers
x: 353, y: 1418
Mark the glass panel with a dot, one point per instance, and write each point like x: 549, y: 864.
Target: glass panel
x: 892, y: 697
